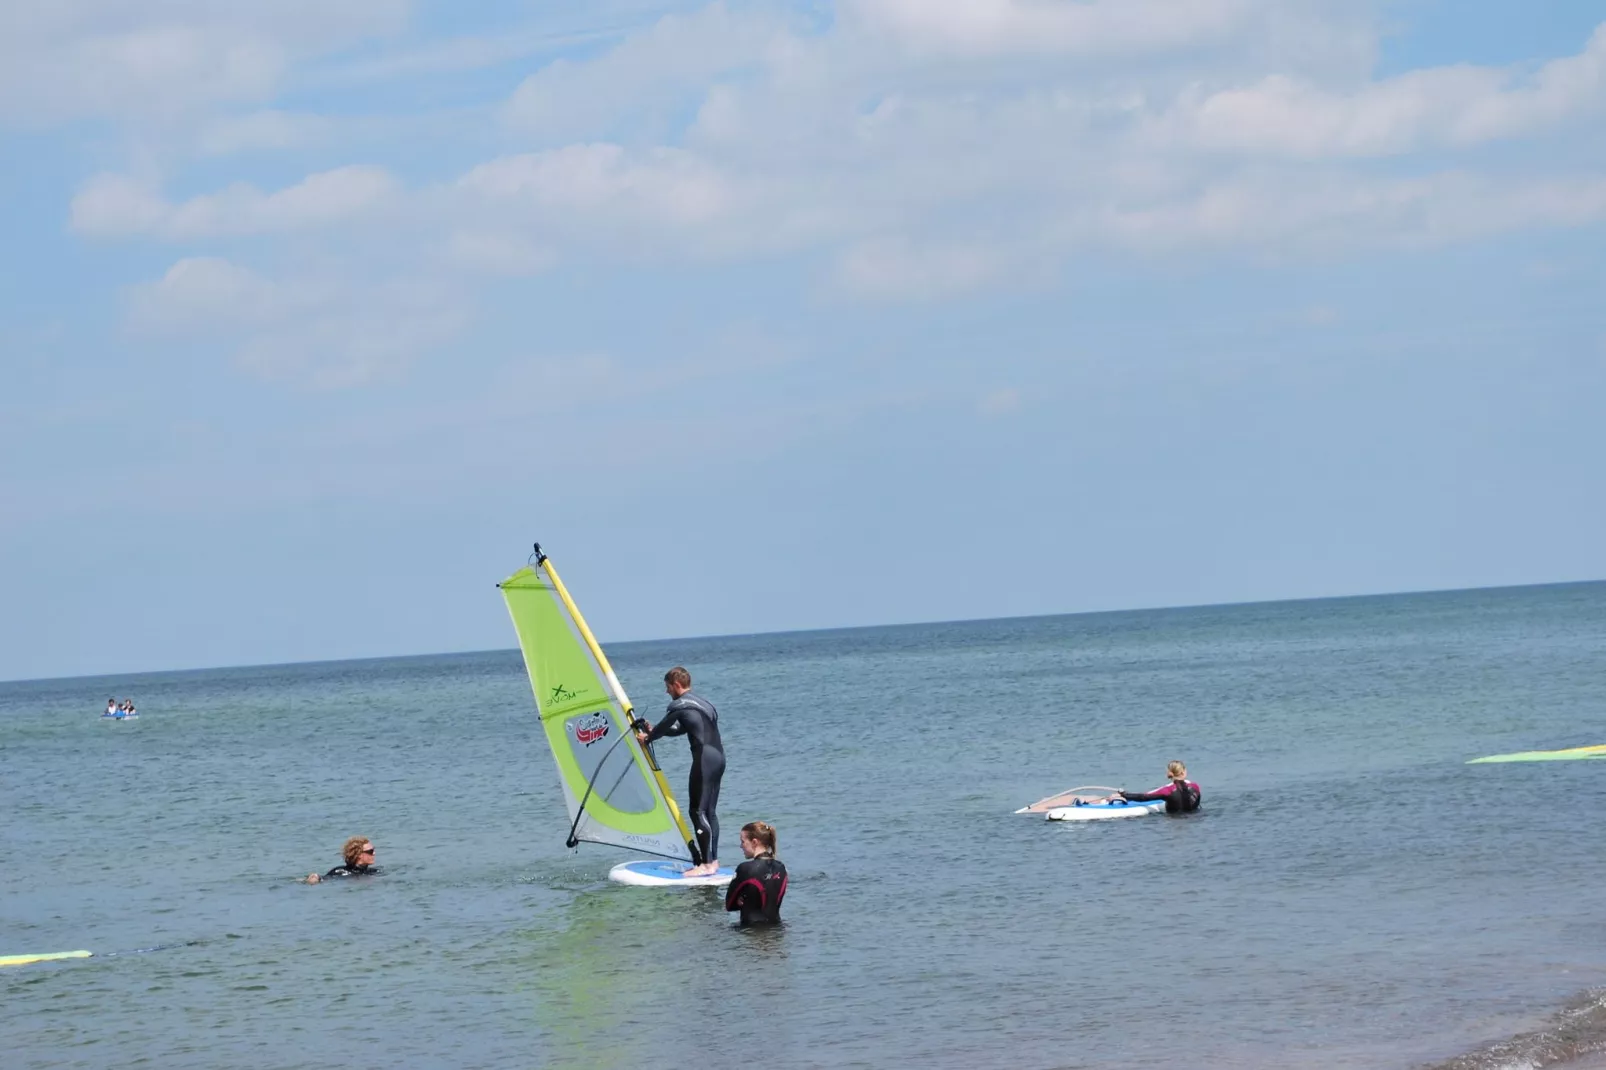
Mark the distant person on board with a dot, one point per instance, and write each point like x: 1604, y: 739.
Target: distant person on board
x: 111, y: 708
x: 1181, y: 795
x: 760, y: 882
x: 695, y: 718
x: 359, y: 855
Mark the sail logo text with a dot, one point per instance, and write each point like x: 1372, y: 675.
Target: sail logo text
x: 562, y: 694
x: 590, y: 729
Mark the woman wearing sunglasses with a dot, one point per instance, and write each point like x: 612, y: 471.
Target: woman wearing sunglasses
x: 359, y: 855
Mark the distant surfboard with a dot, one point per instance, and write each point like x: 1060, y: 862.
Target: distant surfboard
x: 23, y: 960
x: 1598, y: 750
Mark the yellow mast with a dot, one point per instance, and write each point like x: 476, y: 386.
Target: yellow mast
x: 595, y: 647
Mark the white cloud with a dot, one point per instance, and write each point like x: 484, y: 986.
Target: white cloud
x: 267, y: 129
x: 917, y: 149
x: 324, y: 330
x: 118, y: 206
x: 650, y: 75
x: 897, y: 271
x: 1101, y: 27
x: 1447, y: 106
x: 896, y: 188
x: 1338, y: 212
x: 159, y: 70
x: 602, y: 188
x: 498, y: 252
x: 739, y: 351
x: 199, y: 292
x: 67, y: 59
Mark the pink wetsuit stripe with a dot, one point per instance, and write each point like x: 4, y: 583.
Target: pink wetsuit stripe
x: 732, y: 898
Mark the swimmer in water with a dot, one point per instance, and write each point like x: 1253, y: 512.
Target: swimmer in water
x: 359, y: 855
x: 760, y: 882
x: 1181, y: 795
x: 695, y: 718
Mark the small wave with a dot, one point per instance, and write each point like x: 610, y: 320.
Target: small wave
x: 1576, y: 1032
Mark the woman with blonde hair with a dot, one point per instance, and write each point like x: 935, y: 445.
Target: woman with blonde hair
x: 1181, y: 795
x: 760, y: 883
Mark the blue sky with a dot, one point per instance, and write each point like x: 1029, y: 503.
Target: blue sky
x: 766, y: 316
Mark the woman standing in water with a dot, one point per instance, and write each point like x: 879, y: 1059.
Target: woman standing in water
x: 760, y: 883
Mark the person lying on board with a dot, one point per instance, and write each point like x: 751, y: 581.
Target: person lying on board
x: 1181, y: 795
x: 359, y: 855
x: 695, y: 718
x: 760, y: 882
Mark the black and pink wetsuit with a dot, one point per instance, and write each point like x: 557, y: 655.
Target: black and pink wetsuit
x: 757, y: 890
x: 1176, y: 802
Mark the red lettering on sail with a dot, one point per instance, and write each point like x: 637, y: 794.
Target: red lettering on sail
x: 591, y: 729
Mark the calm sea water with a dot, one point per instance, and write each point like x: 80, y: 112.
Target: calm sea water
x: 1354, y: 894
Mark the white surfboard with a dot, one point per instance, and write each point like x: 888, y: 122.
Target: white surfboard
x: 1087, y: 793
x: 1104, y: 811
x: 648, y: 873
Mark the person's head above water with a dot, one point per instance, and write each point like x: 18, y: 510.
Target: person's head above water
x: 358, y: 851
x: 1176, y: 770
x: 357, y: 855
x: 677, y: 682
x: 758, y: 838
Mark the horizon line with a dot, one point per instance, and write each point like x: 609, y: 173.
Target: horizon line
x: 828, y: 628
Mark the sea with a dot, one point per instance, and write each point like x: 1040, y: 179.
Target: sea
x: 1353, y: 894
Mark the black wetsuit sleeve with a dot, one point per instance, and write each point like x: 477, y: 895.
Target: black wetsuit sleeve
x: 756, y: 890
x: 1178, y: 800
x: 671, y: 725
x: 739, y: 887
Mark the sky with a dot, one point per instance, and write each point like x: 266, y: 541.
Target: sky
x: 766, y: 316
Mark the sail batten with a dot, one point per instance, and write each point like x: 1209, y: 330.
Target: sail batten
x: 586, y: 719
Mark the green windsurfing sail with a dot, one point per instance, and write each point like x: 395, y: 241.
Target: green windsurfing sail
x: 1597, y: 750
x: 615, y: 792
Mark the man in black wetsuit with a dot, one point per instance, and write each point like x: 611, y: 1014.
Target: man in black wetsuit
x: 359, y: 861
x: 695, y: 718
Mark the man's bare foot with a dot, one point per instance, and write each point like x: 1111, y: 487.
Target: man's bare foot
x: 705, y: 870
